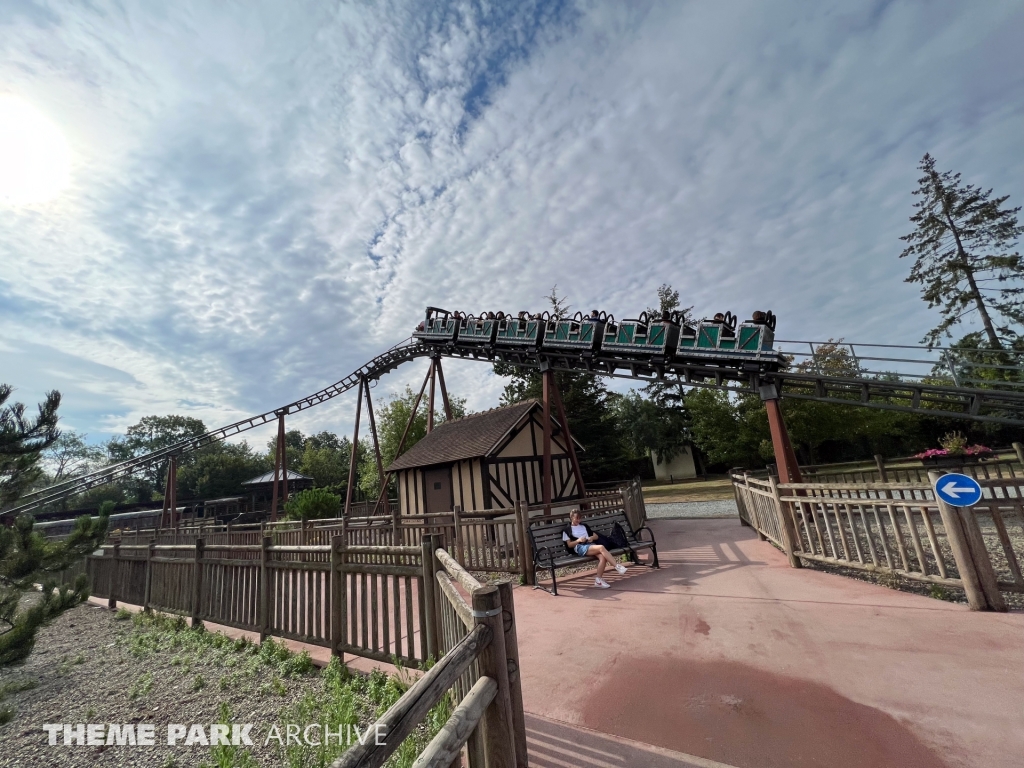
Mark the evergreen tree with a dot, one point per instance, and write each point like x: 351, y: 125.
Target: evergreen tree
x: 962, y: 255
x: 22, y: 441
x: 26, y: 558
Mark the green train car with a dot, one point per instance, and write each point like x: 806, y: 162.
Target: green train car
x: 654, y: 340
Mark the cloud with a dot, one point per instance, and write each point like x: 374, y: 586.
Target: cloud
x: 266, y: 196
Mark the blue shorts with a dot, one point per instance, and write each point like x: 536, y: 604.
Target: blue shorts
x: 581, y: 549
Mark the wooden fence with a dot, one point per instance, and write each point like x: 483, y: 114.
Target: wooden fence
x: 911, y: 470
x: 897, y: 527
x: 479, y: 670
x: 479, y: 540
x: 363, y: 600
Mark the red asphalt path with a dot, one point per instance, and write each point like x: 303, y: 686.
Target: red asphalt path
x: 728, y: 654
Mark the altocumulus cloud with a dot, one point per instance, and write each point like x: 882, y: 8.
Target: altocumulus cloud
x: 264, y: 196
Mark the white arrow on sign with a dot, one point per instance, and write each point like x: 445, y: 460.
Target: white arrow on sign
x: 955, y: 490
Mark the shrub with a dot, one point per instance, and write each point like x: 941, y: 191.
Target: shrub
x: 314, y: 504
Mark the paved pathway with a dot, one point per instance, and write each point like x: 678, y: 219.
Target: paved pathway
x: 728, y: 654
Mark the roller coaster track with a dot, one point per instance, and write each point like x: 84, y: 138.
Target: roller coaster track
x: 880, y: 391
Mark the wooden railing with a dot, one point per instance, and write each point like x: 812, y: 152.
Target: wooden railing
x: 363, y: 600
x: 897, y: 527
x: 479, y: 540
x: 478, y: 670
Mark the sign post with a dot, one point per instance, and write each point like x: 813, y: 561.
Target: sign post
x: 958, y: 490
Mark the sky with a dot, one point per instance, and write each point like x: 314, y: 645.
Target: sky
x: 263, y: 196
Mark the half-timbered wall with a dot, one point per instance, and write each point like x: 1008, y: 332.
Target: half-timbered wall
x: 512, y: 474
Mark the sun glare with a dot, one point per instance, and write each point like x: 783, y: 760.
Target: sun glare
x: 35, y: 162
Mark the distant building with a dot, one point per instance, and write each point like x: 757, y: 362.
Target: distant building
x: 261, y: 489
x: 680, y: 467
x: 487, y: 460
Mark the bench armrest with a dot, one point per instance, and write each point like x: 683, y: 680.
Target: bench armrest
x: 650, y: 533
x: 537, y: 553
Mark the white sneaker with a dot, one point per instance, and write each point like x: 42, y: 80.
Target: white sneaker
x: 599, y: 582
x: 620, y: 568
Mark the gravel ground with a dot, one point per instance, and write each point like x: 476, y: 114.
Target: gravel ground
x: 86, y: 669
x: 723, y: 508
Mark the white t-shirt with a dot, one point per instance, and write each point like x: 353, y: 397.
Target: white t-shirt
x: 578, y: 532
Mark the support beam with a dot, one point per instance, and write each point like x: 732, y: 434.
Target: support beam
x: 165, y: 520
x: 280, y: 467
x: 444, y: 392
x: 564, y: 421
x: 355, y: 450
x: 785, y: 457
x: 430, y: 400
x: 171, y: 489
x: 373, y: 433
x: 548, y: 378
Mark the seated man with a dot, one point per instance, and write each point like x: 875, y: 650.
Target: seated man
x: 580, y: 539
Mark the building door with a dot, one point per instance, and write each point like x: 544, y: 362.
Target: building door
x: 439, y: 490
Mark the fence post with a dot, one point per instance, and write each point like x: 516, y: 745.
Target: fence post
x: 429, y: 600
x: 458, y: 536
x: 883, y: 476
x: 112, y: 592
x: 525, y: 549
x: 148, y: 591
x: 337, y: 618
x: 1019, y: 450
x: 498, y: 731
x: 955, y: 521
x: 786, y: 527
x: 515, y: 682
x: 197, y: 583
x: 264, y: 605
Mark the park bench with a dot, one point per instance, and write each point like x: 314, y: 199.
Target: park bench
x: 549, y: 550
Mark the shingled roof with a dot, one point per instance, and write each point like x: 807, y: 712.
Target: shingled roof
x: 473, y: 436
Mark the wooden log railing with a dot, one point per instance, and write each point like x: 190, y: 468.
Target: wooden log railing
x: 478, y: 670
x: 899, y: 528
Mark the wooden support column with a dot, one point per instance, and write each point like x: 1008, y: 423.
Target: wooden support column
x: 444, y: 392
x: 355, y: 449
x: 430, y: 399
x: 373, y: 434
x: 165, y: 520
x: 564, y: 420
x: 548, y: 376
x: 280, y: 466
x: 1019, y: 450
x: 785, y: 457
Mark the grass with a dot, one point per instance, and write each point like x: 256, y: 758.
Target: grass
x: 336, y: 698
x: 715, y: 488
x: 14, y: 686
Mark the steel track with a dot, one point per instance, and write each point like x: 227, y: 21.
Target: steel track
x: 993, y: 405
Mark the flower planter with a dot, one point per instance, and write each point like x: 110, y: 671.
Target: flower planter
x: 951, y: 461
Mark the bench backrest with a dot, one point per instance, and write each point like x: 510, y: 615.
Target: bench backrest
x: 549, y: 534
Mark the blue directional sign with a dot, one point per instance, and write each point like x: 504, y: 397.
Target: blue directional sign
x: 958, y: 490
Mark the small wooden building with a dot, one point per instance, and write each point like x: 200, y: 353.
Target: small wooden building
x: 487, y: 460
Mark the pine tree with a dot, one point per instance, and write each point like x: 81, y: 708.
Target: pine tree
x: 963, y: 259
x: 26, y: 558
